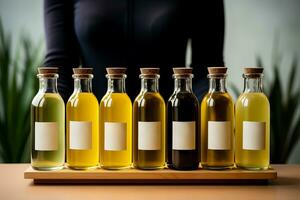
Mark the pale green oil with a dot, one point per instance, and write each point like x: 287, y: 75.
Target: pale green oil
x: 48, y: 107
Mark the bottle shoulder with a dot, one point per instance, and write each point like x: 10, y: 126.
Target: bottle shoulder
x: 118, y: 99
x: 82, y: 97
x: 41, y: 99
x: 253, y: 98
x: 149, y: 97
x: 219, y: 97
x: 183, y: 98
x: 257, y: 95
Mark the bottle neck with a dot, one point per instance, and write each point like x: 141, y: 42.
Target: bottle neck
x: 252, y: 84
x: 48, y: 84
x: 217, y: 84
x: 83, y: 85
x: 149, y: 83
x: 116, y: 84
x: 183, y: 84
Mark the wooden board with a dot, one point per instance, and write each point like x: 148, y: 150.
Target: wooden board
x: 164, y: 176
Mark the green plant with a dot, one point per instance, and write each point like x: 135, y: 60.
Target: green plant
x: 17, y: 87
x: 284, y: 106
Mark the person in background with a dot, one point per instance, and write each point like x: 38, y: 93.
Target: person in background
x: 133, y: 34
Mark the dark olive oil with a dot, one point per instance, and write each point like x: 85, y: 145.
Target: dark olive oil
x: 183, y: 107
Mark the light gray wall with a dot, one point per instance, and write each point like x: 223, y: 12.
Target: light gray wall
x: 23, y: 16
x: 254, y: 27
x: 258, y: 28
x: 251, y: 26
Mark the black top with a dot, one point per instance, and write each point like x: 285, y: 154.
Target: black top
x: 134, y: 34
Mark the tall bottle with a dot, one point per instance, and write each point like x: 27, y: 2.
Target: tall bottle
x: 47, y: 123
x: 217, y: 121
x: 183, y: 134
x: 115, y: 122
x: 149, y: 123
x: 252, y: 123
x: 82, y: 123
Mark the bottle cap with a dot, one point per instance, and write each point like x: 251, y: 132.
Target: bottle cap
x: 182, y: 70
x: 217, y: 70
x: 149, y: 71
x: 48, y: 70
x: 116, y: 70
x: 253, y: 70
x: 82, y: 71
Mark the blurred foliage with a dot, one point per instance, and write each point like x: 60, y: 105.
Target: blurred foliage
x: 284, y: 106
x: 17, y: 87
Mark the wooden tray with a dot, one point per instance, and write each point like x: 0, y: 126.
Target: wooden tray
x: 164, y: 176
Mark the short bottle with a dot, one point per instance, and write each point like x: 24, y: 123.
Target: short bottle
x: 116, y: 122
x: 149, y: 123
x: 82, y: 123
x: 183, y: 135
x: 217, y: 123
x: 47, y: 123
x: 252, y: 148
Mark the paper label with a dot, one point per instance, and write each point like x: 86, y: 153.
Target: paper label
x: 219, y: 135
x: 80, y: 135
x: 46, y: 136
x: 149, y: 135
x: 184, y: 135
x: 254, y: 135
x: 114, y: 136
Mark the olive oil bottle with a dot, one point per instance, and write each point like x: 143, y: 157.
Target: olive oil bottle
x: 217, y: 121
x: 183, y: 134
x: 252, y: 148
x: 47, y: 123
x: 115, y: 122
x: 82, y: 123
x: 149, y: 123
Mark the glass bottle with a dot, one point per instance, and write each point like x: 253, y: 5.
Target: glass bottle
x: 217, y: 125
x: 47, y: 123
x: 183, y: 134
x: 149, y: 123
x: 252, y: 123
x: 82, y: 123
x: 115, y: 122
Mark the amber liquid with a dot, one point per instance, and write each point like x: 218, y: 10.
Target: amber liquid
x: 148, y: 107
x: 183, y: 106
x: 216, y: 106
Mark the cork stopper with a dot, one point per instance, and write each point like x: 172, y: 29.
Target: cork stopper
x: 253, y: 70
x: 182, y: 71
x: 116, y: 70
x: 82, y: 71
x: 149, y: 71
x: 48, y: 70
x: 217, y: 70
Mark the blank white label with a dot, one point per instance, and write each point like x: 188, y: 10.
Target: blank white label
x: 80, y: 135
x: 184, y: 135
x: 46, y: 136
x: 114, y: 136
x: 219, y: 135
x: 149, y: 135
x: 254, y: 135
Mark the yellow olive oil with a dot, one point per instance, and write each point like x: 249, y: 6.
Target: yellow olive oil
x: 252, y: 124
x: 82, y: 123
